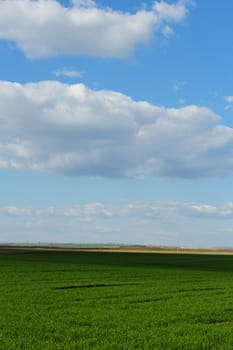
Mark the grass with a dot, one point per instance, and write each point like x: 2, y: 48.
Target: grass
x: 106, y: 301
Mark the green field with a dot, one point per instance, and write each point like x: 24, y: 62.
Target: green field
x: 80, y: 300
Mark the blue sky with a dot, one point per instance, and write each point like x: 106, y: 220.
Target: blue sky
x: 116, y: 122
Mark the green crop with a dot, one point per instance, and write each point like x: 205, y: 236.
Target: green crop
x: 115, y: 301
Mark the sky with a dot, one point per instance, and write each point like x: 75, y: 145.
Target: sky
x: 116, y: 122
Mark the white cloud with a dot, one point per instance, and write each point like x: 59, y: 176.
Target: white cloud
x: 67, y: 72
x: 167, y: 31
x: 161, y: 222
x: 44, y: 28
x: 181, y: 101
x: 73, y: 130
x: 170, y: 12
x: 204, y: 210
x: 78, y: 211
x: 179, y: 85
x: 145, y: 210
x: 229, y: 100
x: 174, y: 209
x: 83, y: 3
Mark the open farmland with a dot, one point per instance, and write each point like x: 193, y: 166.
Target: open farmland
x: 98, y: 300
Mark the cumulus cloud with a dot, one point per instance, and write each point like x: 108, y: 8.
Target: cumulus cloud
x: 73, y: 130
x: 44, y: 28
x: 170, y: 12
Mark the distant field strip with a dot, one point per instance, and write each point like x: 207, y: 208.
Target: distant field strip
x: 64, y: 300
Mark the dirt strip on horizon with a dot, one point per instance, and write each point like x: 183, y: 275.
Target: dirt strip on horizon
x: 19, y: 249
